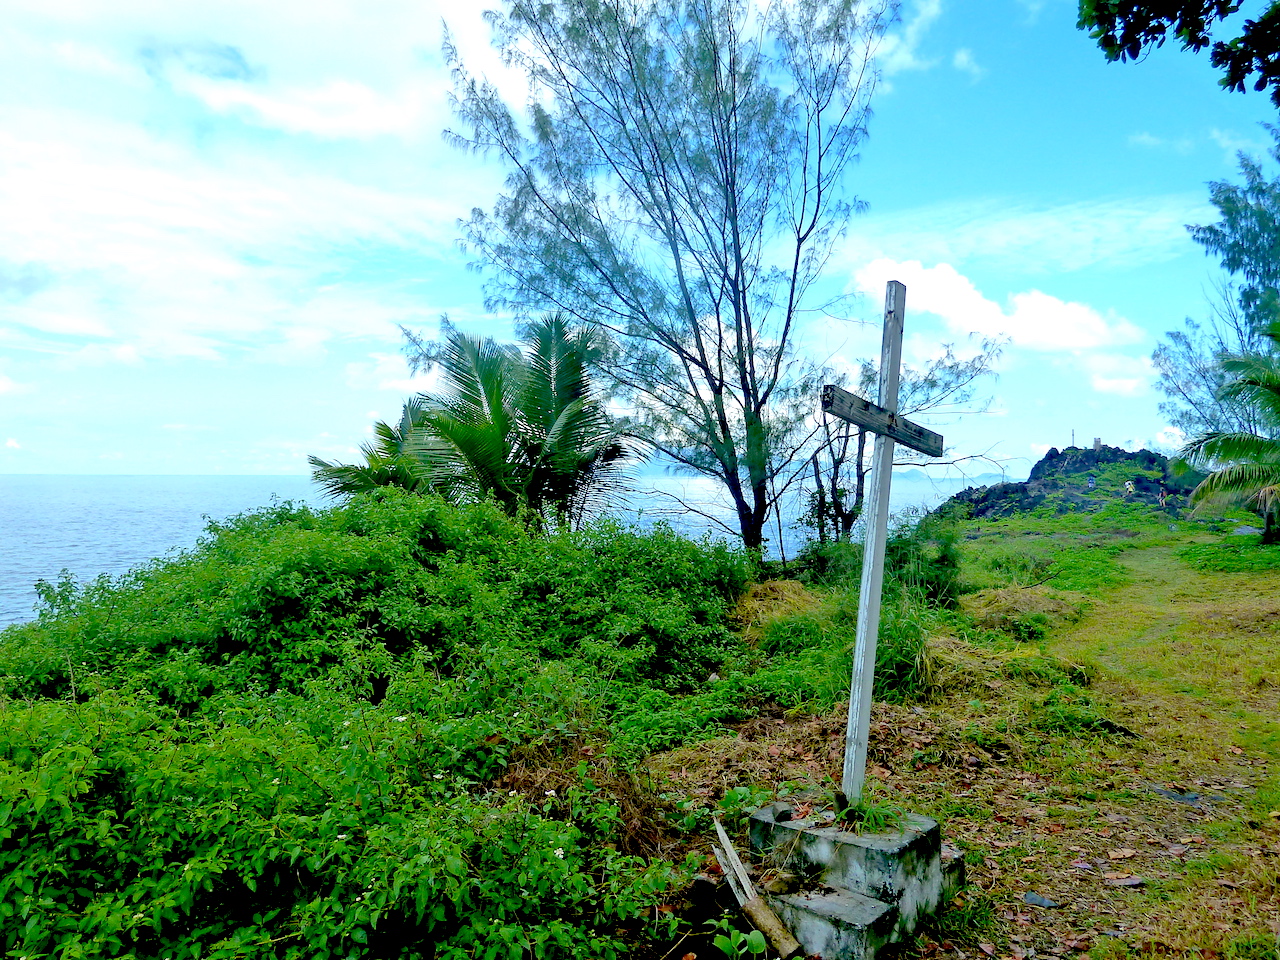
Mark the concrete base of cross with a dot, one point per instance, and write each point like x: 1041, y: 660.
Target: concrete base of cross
x: 871, y: 889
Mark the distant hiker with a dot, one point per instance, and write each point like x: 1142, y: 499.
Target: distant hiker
x: 1092, y: 482
x: 1128, y: 486
x: 1163, y: 494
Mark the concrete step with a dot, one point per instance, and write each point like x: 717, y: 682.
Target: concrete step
x: 901, y: 867
x: 837, y: 924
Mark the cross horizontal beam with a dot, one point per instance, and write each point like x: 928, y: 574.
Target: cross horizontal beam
x: 864, y: 413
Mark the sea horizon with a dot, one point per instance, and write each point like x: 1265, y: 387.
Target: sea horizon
x: 90, y: 525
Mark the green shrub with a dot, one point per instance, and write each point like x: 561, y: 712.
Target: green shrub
x: 921, y: 554
x: 633, y: 605
x: 274, y: 599
x: 291, y: 827
x: 924, y: 557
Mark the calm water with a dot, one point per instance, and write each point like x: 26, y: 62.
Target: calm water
x: 108, y: 524
x: 90, y: 525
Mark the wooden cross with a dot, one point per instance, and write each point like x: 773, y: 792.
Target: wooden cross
x: 881, y: 419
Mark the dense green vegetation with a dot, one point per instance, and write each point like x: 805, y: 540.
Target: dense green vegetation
x: 1248, y: 461
x: 405, y: 728
x: 291, y: 741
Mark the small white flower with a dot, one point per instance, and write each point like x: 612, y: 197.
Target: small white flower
x: 343, y: 836
x: 551, y: 793
x: 346, y: 723
x: 399, y: 719
x: 560, y: 852
x: 438, y: 776
x: 346, y: 746
x: 275, y: 781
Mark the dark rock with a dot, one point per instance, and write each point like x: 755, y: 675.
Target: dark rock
x: 1061, y: 481
x: 1038, y: 901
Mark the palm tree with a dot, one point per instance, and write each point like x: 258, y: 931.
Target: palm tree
x: 388, y: 462
x: 526, y: 431
x: 1247, y: 464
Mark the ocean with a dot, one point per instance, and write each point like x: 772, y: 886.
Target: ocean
x: 91, y: 525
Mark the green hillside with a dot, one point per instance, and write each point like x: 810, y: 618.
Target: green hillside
x: 404, y: 729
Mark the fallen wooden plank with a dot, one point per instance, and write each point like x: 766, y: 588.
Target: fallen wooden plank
x: 753, y: 905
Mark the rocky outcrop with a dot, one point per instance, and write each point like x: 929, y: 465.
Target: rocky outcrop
x: 1061, y: 480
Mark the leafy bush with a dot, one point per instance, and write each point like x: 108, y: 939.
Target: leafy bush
x: 274, y: 599
x: 922, y: 554
x: 286, y: 742
x: 291, y: 827
x: 925, y: 559
x: 634, y: 605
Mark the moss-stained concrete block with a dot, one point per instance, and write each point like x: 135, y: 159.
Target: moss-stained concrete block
x: 901, y: 868
x: 836, y: 923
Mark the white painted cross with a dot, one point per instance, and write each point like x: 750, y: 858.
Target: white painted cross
x: 884, y: 422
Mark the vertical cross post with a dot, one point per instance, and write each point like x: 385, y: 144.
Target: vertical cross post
x: 877, y: 523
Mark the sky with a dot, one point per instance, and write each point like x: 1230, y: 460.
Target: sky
x: 214, y: 218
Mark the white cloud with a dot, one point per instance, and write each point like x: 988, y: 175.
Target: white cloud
x: 1030, y: 319
x: 390, y: 371
x: 7, y: 385
x: 338, y: 108
x: 163, y: 221
x: 899, y: 50
x: 1170, y: 438
x: 964, y: 62
x: 1234, y: 144
x: 13, y: 444
x: 1118, y: 374
x: 101, y: 354
x: 150, y: 246
x: 1111, y: 234
x: 1182, y: 145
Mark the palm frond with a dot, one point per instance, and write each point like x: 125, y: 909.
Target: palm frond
x: 526, y: 431
x: 479, y: 376
x: 1244, y: 479
x: 1213, y: 449
x: 344, y: 480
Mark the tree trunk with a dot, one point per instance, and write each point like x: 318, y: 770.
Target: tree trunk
x: 1271, y: 529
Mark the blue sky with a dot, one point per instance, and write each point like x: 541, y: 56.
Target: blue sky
x: 216, y: 215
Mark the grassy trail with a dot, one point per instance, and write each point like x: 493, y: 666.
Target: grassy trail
x: 1193, y: 656
x: 1190, y: 660
x: 1140, y: 805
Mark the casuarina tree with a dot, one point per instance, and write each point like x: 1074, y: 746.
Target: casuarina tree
x: 1246, y: 241
x: 1247, y: 465
x: 677, y: 178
